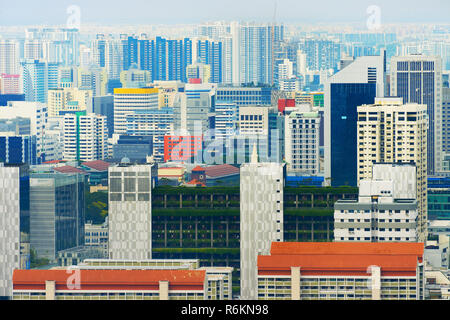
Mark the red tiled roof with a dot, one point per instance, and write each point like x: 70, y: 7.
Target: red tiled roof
x: 68, y: 169
x: 313, y: 264
x: 110, y: 279
x: 98, y: 165
x: 221, y: 170
x: 394, y: 248
x: 198, y: 168
x: 343, y: 258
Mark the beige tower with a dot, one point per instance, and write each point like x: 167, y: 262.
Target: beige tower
x: 392, y: 132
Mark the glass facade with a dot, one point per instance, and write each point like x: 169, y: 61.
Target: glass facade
x: 345, y: 98
x: 439, y: 204
x: 56, y: 213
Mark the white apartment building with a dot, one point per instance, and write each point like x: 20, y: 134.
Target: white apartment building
x: 285, y: 70
x: 9, y: 57
x: 392, y: 132
x: 85, y: 137
x: 127, y: 101
x: 130, y: 212
x: 261, y: 219
x: 302, y: 134
x: 386, y: 209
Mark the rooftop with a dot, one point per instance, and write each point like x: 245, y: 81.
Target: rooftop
x: 221, y: 170
x: 110, y: 279
x: 98, y: 165
x: 68, y: 169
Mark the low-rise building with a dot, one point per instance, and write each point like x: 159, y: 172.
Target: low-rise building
x: 341, y: 271
x: 90, y: 284
x: 386, y: 210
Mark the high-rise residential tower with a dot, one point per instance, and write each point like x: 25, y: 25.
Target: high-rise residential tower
x: 392, y: 132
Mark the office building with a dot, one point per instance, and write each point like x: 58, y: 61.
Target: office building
x: 358, y: 83
x: 265, y: 125
x: 18, y: 149
x: 261, y: 217
x: 126, y: 101
x: 104, y: 105
x: 418, y: 79
x: 85, y: 137
x: 302, y: 136
x: 193, y: 109
x: 130, y: 211
x: 245, y: 96
x: 156, y: 123
x: 342, y: 271
x: 57, y: 213
x: 136, y: 148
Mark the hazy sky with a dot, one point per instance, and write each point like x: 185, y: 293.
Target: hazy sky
x: 51, y: 12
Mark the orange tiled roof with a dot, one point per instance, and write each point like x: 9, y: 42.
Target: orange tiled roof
x: 109, y: 279
x: 319, y: 248
x: 340, y: 262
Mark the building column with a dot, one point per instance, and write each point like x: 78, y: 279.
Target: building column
x: 50, y: 288
x: 164, y: 290
x: 375, y: 279
x: 295, y: 283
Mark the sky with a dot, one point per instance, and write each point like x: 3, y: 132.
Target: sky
x: 131, y: 12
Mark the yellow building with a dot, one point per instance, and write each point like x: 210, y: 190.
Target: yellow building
x: 68, y: 99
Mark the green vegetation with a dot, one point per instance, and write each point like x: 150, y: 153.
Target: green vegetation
x: 36, y: 262
x: 96, y: 206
